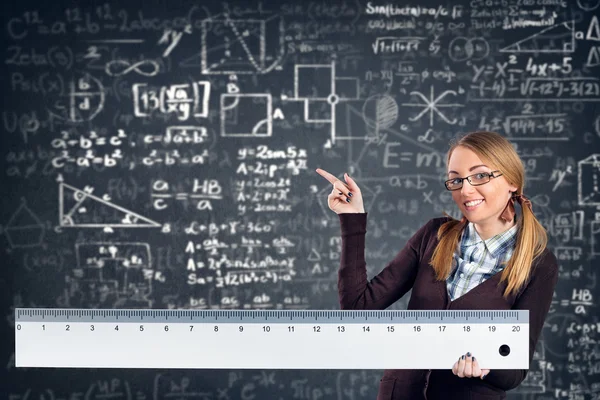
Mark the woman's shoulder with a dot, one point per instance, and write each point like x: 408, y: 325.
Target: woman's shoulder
x: 546, y: 262
x: 429, y: 230
x: 434, y: 223
x: 441, y: 220
x: 544, y: 269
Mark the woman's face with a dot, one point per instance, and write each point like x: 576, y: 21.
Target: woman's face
x: 489, y: 199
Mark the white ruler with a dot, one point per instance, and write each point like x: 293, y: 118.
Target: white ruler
x: 256, y: 339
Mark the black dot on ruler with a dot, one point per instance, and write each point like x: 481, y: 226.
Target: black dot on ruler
x: 504, y: 350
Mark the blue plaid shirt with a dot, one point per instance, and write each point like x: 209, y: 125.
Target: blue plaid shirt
x: 478, y: 259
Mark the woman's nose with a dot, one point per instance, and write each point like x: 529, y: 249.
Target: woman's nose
x: 467, y: 187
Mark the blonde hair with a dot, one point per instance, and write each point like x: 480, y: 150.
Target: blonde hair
x: 531, y: 235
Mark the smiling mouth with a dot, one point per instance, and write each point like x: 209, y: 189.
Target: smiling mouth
x: 473, y: 203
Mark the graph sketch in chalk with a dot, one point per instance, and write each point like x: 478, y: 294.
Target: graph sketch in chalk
x: 239, y: 46
x: 82, y: 209
x: 24, y: 229
x: 115, y: 274
x: 434, y: 104
x: 321, y: 90
x: 588, y: 181
x: 559, y: 38
x: 246, y: 114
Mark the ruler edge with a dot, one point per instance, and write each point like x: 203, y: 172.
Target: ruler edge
x: 521, y: 315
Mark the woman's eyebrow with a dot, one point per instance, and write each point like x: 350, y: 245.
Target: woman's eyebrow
x: 470, y: 169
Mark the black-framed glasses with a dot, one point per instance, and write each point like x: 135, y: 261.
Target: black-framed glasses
x: 480, y: 178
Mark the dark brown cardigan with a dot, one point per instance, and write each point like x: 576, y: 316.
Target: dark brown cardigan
x: 410, y: 269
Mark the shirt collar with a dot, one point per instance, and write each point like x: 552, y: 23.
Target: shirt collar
x: 495, y: 245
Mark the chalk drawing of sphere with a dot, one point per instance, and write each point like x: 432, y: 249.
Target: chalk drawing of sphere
x: 588, y: 5
x: 462, y: 49
x: 380, y: 111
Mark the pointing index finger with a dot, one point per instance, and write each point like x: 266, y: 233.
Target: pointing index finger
x: 331, y: 178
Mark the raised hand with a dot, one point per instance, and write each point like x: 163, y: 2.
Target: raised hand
x: 344, y: 197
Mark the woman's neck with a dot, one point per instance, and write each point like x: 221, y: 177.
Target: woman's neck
x: 486, y: 231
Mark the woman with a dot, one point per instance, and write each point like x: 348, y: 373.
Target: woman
x: 488, y: 260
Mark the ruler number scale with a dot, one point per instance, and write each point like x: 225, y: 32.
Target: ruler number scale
x: 264, y: 339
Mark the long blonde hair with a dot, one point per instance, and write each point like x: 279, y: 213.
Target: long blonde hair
x: 531, y: 235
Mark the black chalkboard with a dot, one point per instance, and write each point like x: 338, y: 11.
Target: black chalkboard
x: 162, y: 154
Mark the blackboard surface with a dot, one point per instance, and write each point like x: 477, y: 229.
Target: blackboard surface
x: 162, y: 154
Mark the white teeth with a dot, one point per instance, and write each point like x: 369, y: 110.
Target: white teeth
x: 473, y: 203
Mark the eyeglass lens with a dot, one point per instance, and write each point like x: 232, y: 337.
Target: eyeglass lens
x: 477, y: 179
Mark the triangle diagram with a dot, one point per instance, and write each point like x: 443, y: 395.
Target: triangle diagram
x: 559, y: 38
x: 218, y: 55
x: 81, y: 209
x: 230, y: 48
x: 593, y: 59
x: 314, y: 256
x: 24, y: 218
x: 593, y: 32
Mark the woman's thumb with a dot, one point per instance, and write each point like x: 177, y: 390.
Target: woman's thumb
x: 348, y: 180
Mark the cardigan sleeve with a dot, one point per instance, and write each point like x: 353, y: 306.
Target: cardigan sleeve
x: 390, y: 284
x: 537, y: 298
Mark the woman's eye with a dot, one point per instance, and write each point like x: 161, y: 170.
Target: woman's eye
x: 481, y: 175
x: 456, y: 181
